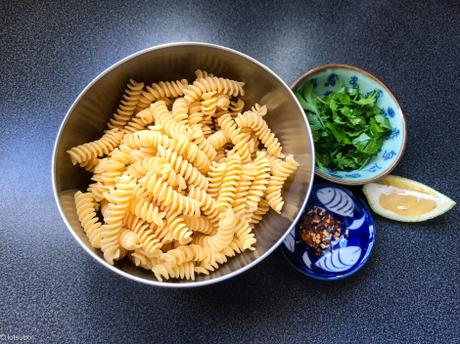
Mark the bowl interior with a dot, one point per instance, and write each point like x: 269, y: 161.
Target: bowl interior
x: 89, y: 114
x: 328, y: 80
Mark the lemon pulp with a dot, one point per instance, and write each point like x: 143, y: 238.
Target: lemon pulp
x: 406, y: 205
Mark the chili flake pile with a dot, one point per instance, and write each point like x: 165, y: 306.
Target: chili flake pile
x: 318, y: 229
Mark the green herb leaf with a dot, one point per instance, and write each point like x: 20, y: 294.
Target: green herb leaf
x: 383, y: 121
x: 361, y: 142
x: 310, y: 98
x: 338, y: 133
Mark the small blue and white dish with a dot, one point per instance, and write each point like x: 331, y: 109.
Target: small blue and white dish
x: 325, y: 79
x: 347, y: 253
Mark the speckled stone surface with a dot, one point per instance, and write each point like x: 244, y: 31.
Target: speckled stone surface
x: 53, y: 291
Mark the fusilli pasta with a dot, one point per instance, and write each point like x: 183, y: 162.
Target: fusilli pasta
x: 127, y: 105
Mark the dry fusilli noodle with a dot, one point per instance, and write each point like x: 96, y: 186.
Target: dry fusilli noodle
x: 199, y: 224
x: 254, y: 121
x: 86, y: 210
x: 95, y: 149
x: 157, y: 91
x: 127, y: 105
x: 116, y: 213
x: 280, y: 172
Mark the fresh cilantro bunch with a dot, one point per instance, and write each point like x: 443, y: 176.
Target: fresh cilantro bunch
x: 348, y: 127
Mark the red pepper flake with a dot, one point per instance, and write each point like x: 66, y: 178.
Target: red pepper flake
x: 318, y: 229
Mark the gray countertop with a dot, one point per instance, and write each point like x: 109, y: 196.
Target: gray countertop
x: 53, y: 291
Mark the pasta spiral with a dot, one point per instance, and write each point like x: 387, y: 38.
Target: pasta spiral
x: 245, y: 236
x: 261, y: 110
x: 148, y: 211
x: 223, y: 102
x: 174, y: 229
x: 181, y: 144
x: 218, y: 139
x: 199, y: 139
x: 225, y: 86
x: 139, y: 258
x: 254, y: 121
x: 86, y: 212
x: 230, y: 182
x: 128, y: 240
x: 242, y: 190
x: 202, y: 74
x: 117, y: 211
x: 147, y: 139
x: 172, y: 178
x: 191, y: 152
x: 98, y: 148
x: 166, y: 195
x: 134, y: 124
x: 127, y: 105
x: 184, y: 253
x: 236, y: 106
x: 180, y: 110
x: 97, y: 190
x: 221, y: 85
x: 190, y: 173
x: 165, y: 271
x: 151, y: 245
x: 259, y: 185
x: 140, y: 168
x: 199, y: 224
x: 280, y: 172
x: 119, y: 159
x: 262, y: 209
x: 195, y: 117
x: 208, y: 204
x: 146, y: 236
x: 216, y: 177
x: 90, y: 165
x: 238, y: 138
x: 156, y: 91
x: 209, y: 103
x: 212, y: 263
x: 162, y: 116
x: 225, y: 231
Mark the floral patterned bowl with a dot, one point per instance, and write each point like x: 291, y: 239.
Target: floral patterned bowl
x: 346, y: 253
x: 325, y: 79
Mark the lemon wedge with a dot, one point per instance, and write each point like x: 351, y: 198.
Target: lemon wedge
x: 405, y: 200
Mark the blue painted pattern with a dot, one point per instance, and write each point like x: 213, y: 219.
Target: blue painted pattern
x: 390, y: 112
x: 331, y: 80
x: 373, y: 168
x: 394, y: 133
x: 354, y: 81
x: 388, y: 154
x: 353, y: 175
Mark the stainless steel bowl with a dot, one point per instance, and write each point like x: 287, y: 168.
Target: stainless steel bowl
x: 88, y: 115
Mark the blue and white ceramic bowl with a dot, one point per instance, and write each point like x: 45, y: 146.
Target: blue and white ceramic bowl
x: 350, y: 251
x: 325, y: 79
